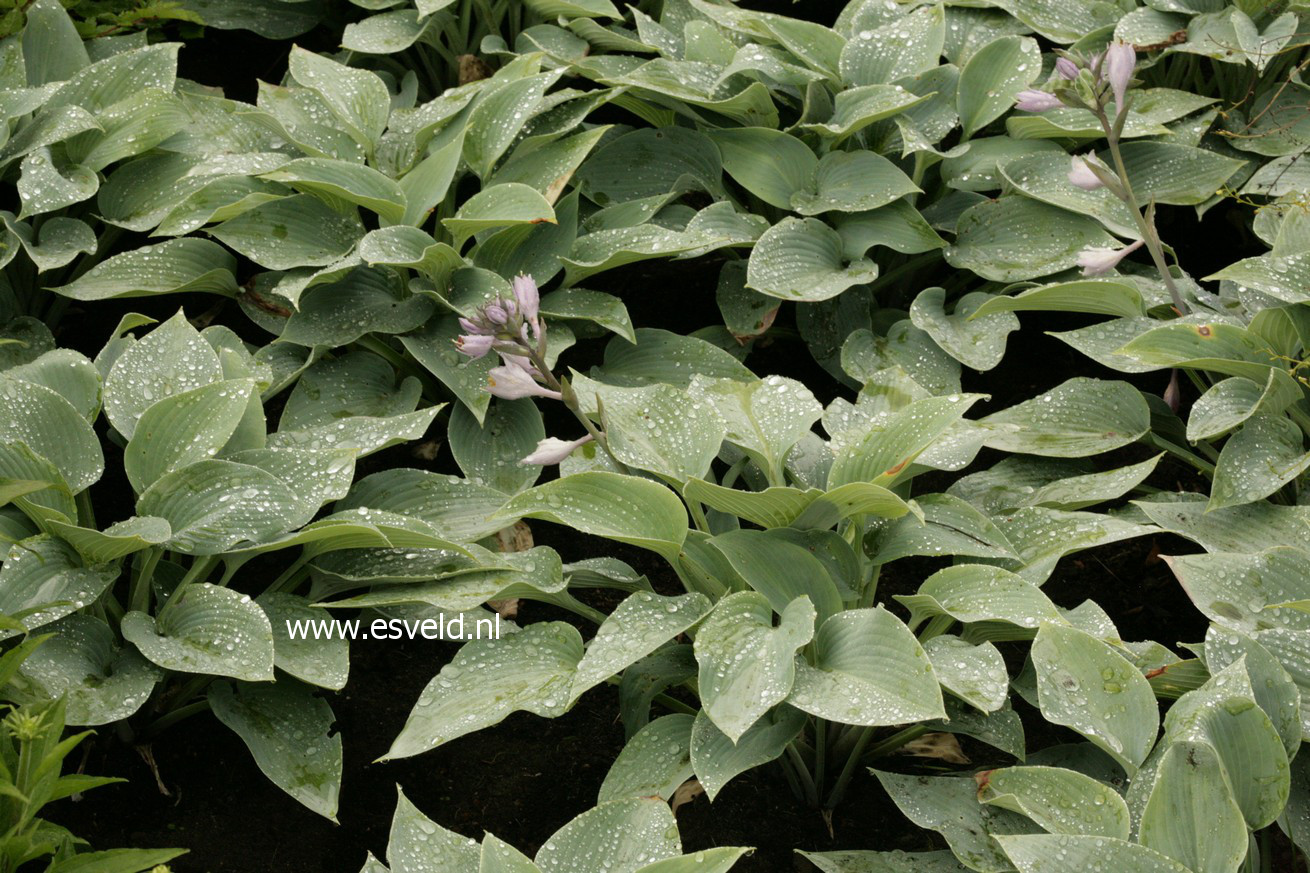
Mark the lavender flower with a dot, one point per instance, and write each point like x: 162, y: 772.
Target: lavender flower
x: 1081, y: 174
x: 512, y: 382
x: 529, y: 300
x: 1033, y: 100
x: 475, y: 345
x: 1120, y: 60
x: 1097, y: 261
x: 552, y: 450
x: 1066, y: 68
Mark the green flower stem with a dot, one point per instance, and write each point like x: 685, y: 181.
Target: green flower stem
x: 570, y: 398
x: 169, y: 719
x: 661, y: 698
x: 86, y: 514
x: 200, y: 569
x: 1181, y: 453
x: 138, y: 599
x: 803, y: 774
x: 1146, y: 227
x: 290, y: 576
x: 820, y: 751
x: 936, y: 626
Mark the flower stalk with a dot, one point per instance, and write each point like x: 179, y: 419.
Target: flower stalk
x: 513, y: 328
x: 1092, y: 84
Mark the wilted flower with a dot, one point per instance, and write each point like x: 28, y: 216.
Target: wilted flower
x: 1033, y: 100
x: 1173, y: 395
x: 552, y: 450
x: 512, y: 382
x: 1066, y: 68
x: 1097, y: 261
x: 1081, y: 174
x: 1120, y: 59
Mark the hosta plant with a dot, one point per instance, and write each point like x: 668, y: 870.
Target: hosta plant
x: 637, y: 834
x: 166, y: 607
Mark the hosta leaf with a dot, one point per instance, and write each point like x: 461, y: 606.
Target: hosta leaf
x: 1017, y: 238
x: 638, y: 626
x: 1074, y: 853
x: 357, y: 97
x: 975, y: 674
x: 434, y: 348
x: 992, y: 78
x: 206, y: 629
x: 497, y: 118
x: 286, y: 729
x: 1084, y: 684
x: 214, y: 505
x: 661, y: 429
x: 768, y: 163
x: 624, y: 508
x: 1081, y: 417
x: 456, y: 508
x: 1223, y: 714
x: 949, y: 805
x: 321, y: 662
x: 1274, y: 688
x: 802, y: 259
x: 116, y: 541
x: 737, y: 691
x: 416, y: 843
x: 68, y: 374
x: 1061, y: 801
x: 1266, y: 454
x: 603, y: 309
x: 972, y: 593
x: 650, y: 162
x: 385, y: 33
x: 489, y: 679
x: 856, y: 108
x: 896, y: 861
x: 403, y: 246
x: 362, y: 433
x: 1222, y: 348
x: 1176, y: 174
x: 489, y: 453
x: 949, y: 526
x: 1097, y: 296
x: 621, y: 836
x: 101, y: 682
x: 902, y: 48
x: 296, y: 231
x: 548, y: 167
x: 653, y: 763
x: 43, y: 579
x: 1190, y: 814
x: 172, y: 266
x: 779, y: 568
x: 172, y: 359
x: 975, y: 341
x: 184, y: 428
x: 882, y: 452
x: 366, y: 300
x: 1044, y: 176
x: 869, y: 670
x: 717, y: 759
x: 1229, y: 403
x: 672, y: 358
x: 512, y: 203
x: 852, y: 182
x: 346, y: 181
x: 50, y: 427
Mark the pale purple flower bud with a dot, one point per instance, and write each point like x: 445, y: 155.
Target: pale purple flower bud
x: 1098, y: 261
x: 1173, y: 395
x: 552, y: 450
x: 1081, y: 175
x: 1033, y: 100
x: 495, y: 313
x: 512, y: 382
x: 1066, y: 68
x: 475, y: 345
x: 471, y: 326
x: 528, y: 297
x: 1120, y: 60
